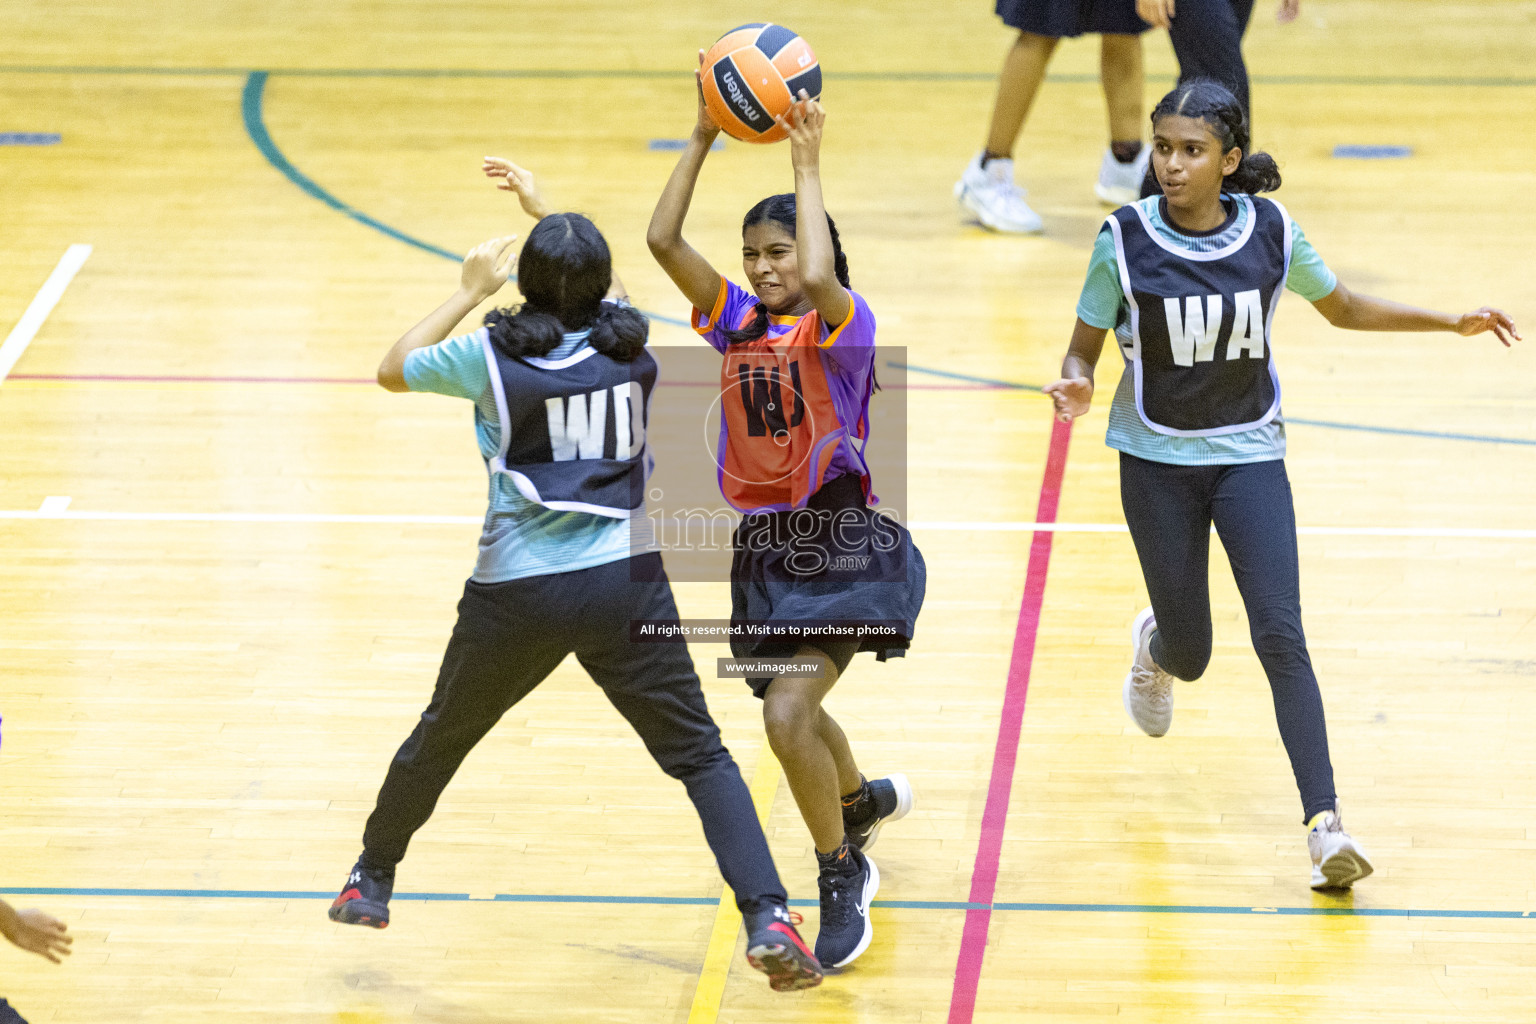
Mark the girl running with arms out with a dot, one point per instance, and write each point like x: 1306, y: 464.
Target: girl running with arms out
x: 1189, y: 280
x: 561, y: 385
x: 796, y: 384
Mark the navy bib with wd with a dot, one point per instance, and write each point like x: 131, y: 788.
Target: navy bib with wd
x: 573, y: 429
x: 1200, y: 321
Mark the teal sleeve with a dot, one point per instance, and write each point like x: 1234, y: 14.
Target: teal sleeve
x: 1099, y: 305
x: 455, y: 367
x: 1310, y: 277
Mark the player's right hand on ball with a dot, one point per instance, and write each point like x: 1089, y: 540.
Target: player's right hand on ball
x: 1072, y: 397
x: 707, y: 124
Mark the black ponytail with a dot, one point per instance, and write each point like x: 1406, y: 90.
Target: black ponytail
x: 564, y: 271
x: 780, y: 210
x: 1213, y: 103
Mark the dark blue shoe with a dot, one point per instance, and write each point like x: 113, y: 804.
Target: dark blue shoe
x: 890, y: 800
x: 365, y: 898
x: 847, y: 887
x: 8, y: 1014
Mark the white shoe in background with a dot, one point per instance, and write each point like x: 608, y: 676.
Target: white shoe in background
x: 1338, y: 862
x: 990, y: 193
x: 1148, y: 691
x: 1120, y: 183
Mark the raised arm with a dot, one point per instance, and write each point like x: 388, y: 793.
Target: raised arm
x: 1355, y: 312
x: 485, y: 271
x: 813, y: 239
x: 695, y: 278
x: 1073, y: 393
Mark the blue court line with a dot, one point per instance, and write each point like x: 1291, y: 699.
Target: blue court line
x: 1436, y: 435
x: 1435, y: 81
x: 255, y: 126
x: 709, y: 901
x: 251, y: 106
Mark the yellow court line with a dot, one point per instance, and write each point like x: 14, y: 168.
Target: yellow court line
x: 722, y: 937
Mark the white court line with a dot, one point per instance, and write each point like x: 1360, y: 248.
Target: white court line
x: 57, y: 512
x: 42, y: 304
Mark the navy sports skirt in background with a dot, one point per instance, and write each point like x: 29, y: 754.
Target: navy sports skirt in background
x: 1058, y: 18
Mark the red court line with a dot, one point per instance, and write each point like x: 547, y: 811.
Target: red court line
x: 973, y: 940
x: 190, y: 379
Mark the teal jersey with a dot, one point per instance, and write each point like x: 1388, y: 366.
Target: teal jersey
x: 520, y: 538
x: 1103, y: 304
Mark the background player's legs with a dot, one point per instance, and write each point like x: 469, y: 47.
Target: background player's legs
x: 500, y: 650
x: 1126, y: 162
x: 1167, y: 509
x: 1207, y: 37
x: 1023, y: 72
x: 655, y: 688
x: 1257, y: 523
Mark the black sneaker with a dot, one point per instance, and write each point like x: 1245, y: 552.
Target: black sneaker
x: 8, y: 1014
x: 846, y: 890
x: 776, y: 948
x: 890, y: 799
x: 365, y: 898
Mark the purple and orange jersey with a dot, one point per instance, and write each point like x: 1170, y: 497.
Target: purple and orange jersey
x: 794, y: 409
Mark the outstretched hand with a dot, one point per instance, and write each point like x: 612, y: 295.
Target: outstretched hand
x: 487, y: 267
x: 803, y: 121
x: 518, y: 180
x: 1072, y: 397
x: 37, y: 932
x: 1488, y: 319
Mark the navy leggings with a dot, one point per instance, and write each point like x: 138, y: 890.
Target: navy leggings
x: 1207, y: 37
x: 1170, y: 510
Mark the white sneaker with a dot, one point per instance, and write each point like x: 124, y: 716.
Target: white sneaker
x: 1120, y: 183
x: 1338, y: 862
x: 1148, y: 692
x: 990, y: 194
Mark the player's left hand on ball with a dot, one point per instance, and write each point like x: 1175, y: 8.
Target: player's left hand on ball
x: 488, y: 266
x: 1488, y: 319
x: 803, y: 121
x: 518, y: 180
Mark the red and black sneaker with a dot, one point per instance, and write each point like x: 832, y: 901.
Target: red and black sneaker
x: 775, y: 948
x: 365, y: 898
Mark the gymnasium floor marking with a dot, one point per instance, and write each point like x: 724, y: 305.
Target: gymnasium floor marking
x: 994, y: 816
x: 944, y: 526
x: 1001, y: 906
x: 30, y: 138
x: 1430, y: 81
x: 720, y: 954
x: 42, y: 304
x: 251, y: 109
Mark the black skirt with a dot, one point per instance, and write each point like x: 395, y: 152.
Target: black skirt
x: 1058, y: 18
x: 834, y: 572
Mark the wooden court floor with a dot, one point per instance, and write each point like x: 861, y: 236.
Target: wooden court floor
x: 209, y: 652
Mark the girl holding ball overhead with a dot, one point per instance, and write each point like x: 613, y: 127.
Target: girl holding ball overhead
x: 796, y: 384
x: 1189, y: 281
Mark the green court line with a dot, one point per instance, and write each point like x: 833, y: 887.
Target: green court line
x: 1428, y: 81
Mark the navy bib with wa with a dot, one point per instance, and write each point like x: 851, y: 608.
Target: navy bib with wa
x: 573, y: 429
x: 1200, y: 321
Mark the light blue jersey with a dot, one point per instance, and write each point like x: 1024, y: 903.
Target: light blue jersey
x: 1103, y: 304
x: 520, y: 538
